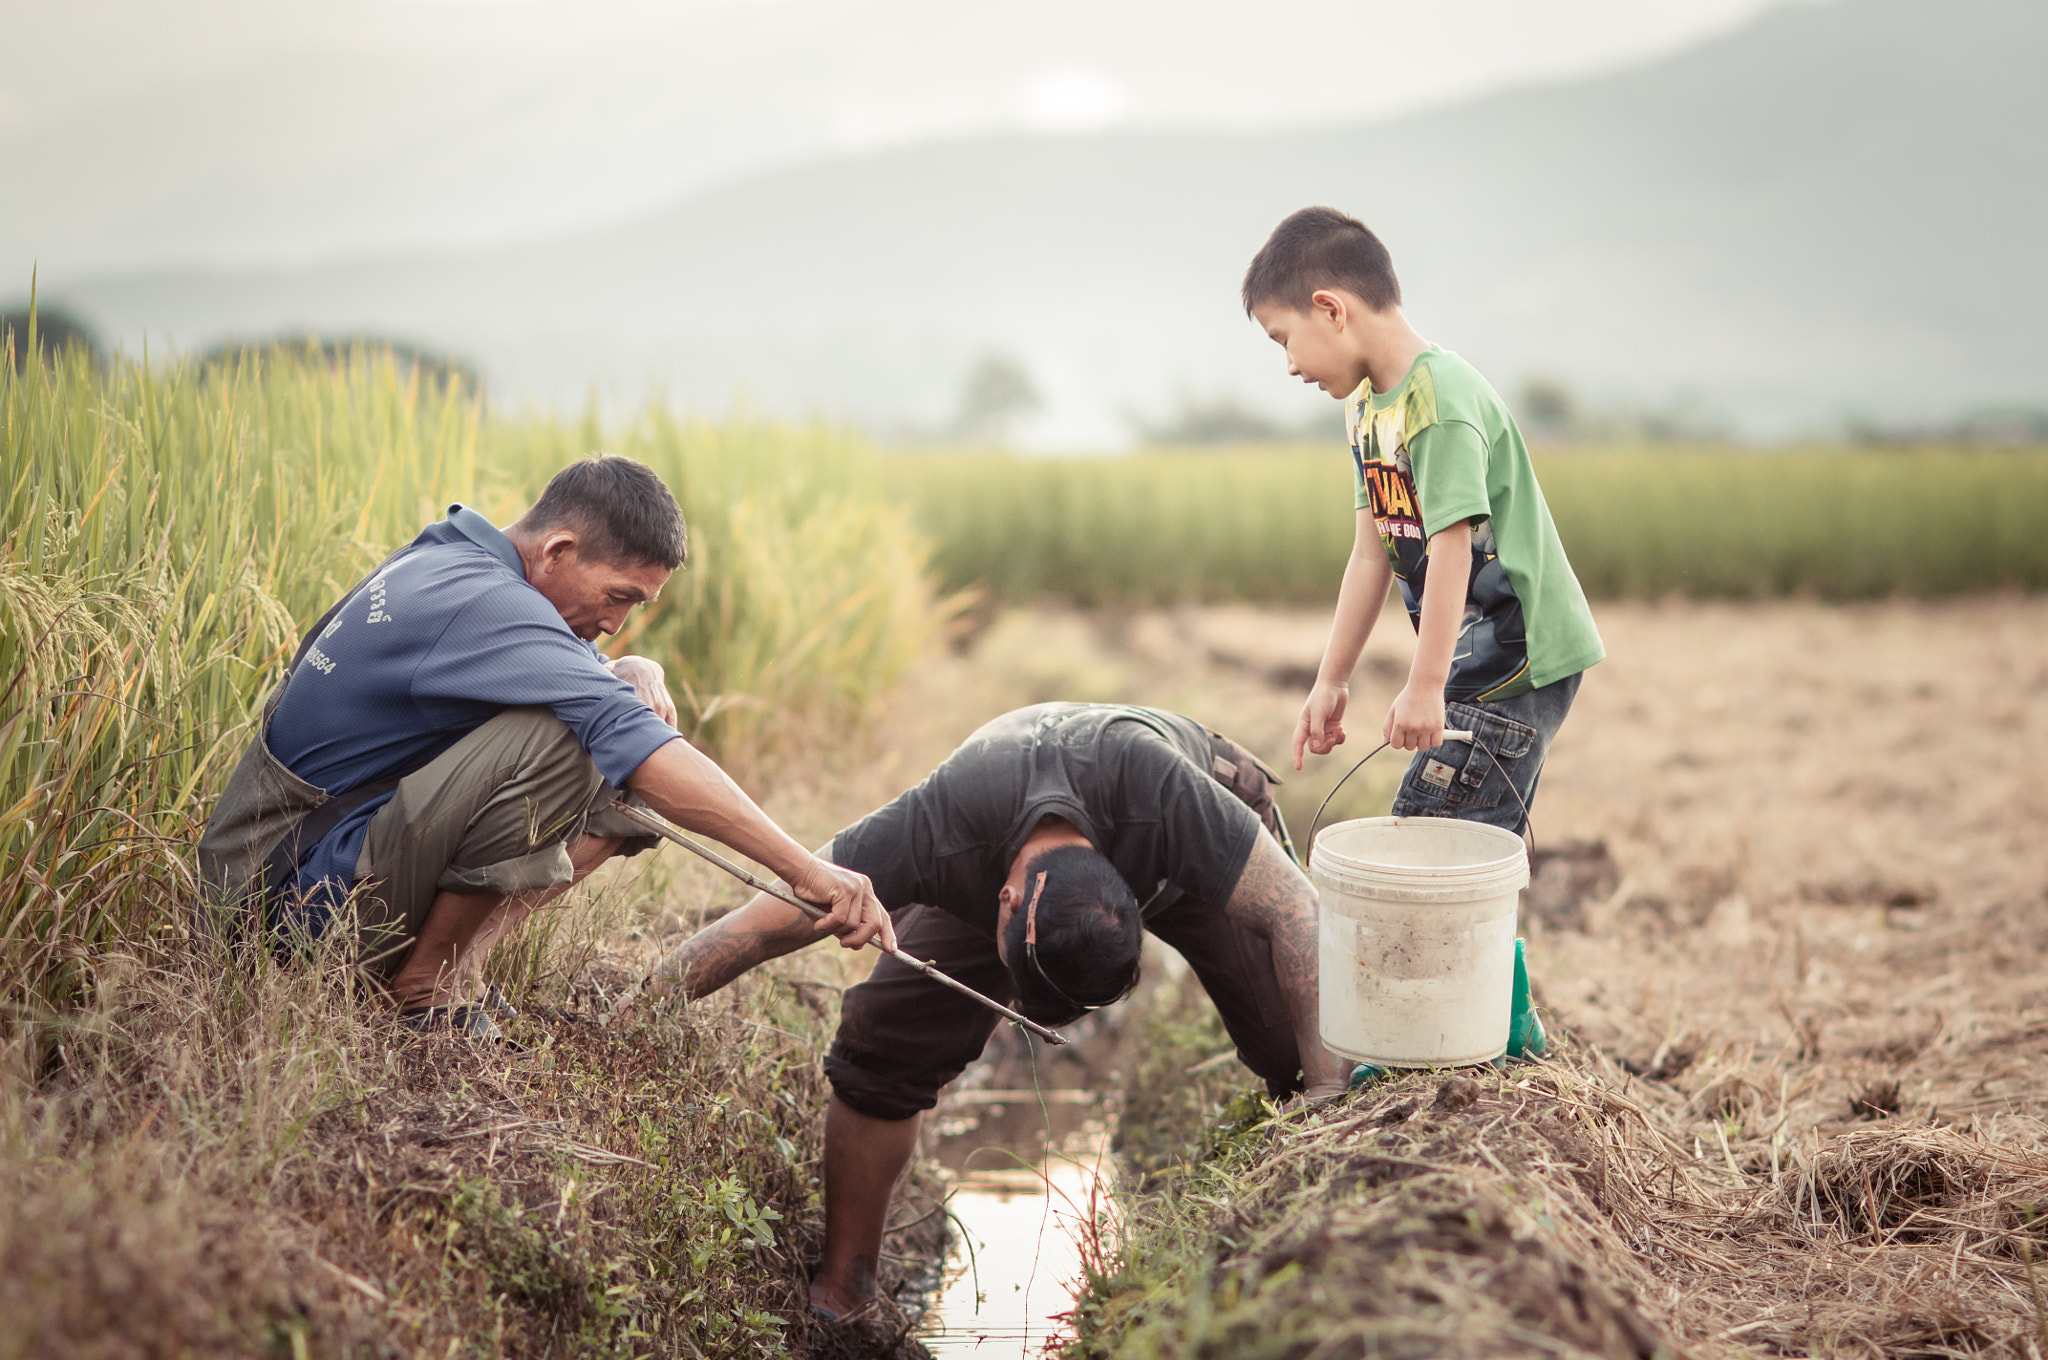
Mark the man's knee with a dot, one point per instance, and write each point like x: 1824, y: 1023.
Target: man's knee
x: 529, y: 744
x: 902, y: 1037
x: 889, y: 1095
x: 493, y: 814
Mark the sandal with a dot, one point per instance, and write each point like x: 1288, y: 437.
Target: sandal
x: 471, y: 1022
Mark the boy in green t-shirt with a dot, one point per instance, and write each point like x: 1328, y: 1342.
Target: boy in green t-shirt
x: 1447, y: 505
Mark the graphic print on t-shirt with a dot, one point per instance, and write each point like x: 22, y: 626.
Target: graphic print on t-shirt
x: 1492, y: 655
x: 1379, y: 449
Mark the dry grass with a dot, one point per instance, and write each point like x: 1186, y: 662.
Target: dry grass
x: 1789, y: 913
x: 227, y: 1162
x: 1545, y: 1210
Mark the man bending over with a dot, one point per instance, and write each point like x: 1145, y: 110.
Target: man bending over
x: 1029, y: 865
x: 448, y: 744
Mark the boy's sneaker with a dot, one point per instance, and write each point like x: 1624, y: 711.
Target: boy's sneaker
x: 1365, y: 1074
x: 1526, y: 1038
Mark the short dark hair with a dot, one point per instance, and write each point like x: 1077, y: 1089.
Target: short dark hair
x: 1089, y: 934
x: 1321, y: 248
x: 620, y: 510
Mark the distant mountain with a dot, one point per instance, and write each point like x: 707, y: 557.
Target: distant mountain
x: 136, y: 134
x: 1839, y: 211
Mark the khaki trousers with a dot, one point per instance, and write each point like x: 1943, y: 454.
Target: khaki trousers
x: 495, y: 813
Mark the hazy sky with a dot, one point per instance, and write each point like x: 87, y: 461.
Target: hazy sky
x: 143, y: 132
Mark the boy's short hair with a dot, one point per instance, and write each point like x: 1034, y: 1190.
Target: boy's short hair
x: 1321, y: 248
x: 1090, y: 935
x: 622, y: 511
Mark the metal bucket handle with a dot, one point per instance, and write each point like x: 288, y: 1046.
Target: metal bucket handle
x: 1450, y: 734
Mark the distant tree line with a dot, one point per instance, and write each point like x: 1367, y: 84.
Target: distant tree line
x: 432, y: 365
x: 55, y: 328
x: 58, y: 329
x: 1994, y: 427
x: 1549, y: 412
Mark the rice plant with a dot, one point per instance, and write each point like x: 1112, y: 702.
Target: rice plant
x: 168, y: 529
x: 1275, y: 525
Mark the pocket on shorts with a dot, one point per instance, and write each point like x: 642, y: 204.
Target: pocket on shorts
x: 1469, y: 774
x: 1250, y: 780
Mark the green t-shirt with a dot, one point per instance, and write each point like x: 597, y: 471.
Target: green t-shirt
x: 1442, y: 447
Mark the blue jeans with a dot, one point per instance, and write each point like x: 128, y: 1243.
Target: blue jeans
x: 1461, y: 779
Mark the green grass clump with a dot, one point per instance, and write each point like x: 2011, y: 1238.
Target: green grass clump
x: 1276, y: 525
x: 234, y: 1157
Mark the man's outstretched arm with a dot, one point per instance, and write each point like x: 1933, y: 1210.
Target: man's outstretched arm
x: 761, y: 930
x: 687, y: 787
x: 1275, y: 900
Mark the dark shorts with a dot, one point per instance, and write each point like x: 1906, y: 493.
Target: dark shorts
x: 1495, y: 782
x: 902, y: 1036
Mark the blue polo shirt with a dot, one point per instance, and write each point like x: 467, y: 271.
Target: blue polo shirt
x: 441, y: 641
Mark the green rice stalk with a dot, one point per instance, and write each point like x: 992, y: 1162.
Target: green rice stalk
x: 168, y: 530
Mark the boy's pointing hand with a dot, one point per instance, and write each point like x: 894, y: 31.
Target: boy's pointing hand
x: 1321, y: 725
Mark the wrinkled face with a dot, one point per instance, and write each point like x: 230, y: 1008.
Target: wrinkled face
x: 592, y: 596
x: 1320, y: 343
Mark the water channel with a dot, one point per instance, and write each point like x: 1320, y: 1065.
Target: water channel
x: 1028, y: 1174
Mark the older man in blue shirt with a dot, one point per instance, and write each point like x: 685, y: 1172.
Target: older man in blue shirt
x: 446, y: 749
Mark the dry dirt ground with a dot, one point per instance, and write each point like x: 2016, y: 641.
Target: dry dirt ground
x: 1784, y: 826
x: 1791, y: 913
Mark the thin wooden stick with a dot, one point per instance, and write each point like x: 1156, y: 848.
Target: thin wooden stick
x: 660, y: 827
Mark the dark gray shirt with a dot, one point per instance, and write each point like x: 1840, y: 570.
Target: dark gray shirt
x: 1134, y: 781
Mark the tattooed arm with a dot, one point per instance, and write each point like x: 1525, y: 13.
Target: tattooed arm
x: 1273, y: 899
x: 761, y: 930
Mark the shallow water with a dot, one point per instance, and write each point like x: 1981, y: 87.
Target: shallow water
x: 1021, y: 1217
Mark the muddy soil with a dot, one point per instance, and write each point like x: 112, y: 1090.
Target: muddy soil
x: 1791, y: 902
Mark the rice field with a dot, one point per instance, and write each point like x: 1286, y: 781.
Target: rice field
x: 1274, y: 525
x: 200, y: 1157
x: 169, y: 530
x: 207, y: 1153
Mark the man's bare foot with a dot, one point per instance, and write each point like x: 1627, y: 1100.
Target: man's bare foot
x: 831, y: 1296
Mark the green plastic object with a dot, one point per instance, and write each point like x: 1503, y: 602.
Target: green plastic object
x: 1526, y: 1038
x: 1365, y: 1074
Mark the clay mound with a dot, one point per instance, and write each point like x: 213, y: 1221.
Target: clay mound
x: 1543, y: 1211
x: 1430, y: 1217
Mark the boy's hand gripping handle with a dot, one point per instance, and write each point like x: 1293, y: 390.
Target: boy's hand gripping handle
x: 1450, y: 734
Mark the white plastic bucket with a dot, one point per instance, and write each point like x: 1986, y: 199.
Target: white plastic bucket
x: 1418, y: 939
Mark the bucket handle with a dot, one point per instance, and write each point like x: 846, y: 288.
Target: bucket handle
x: 1450, y: 734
